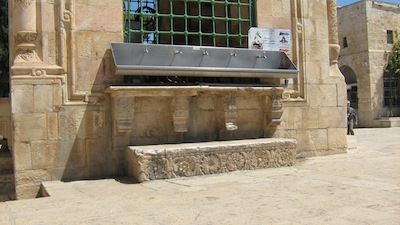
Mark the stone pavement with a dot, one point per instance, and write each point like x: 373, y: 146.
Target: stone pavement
x: 360, y: 187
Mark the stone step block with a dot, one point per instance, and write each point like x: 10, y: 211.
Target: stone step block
x: 7, y: 196
x: 7, y: 183
x: 193, y: 159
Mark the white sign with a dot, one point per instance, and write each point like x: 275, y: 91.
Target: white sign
x: 269, y: 39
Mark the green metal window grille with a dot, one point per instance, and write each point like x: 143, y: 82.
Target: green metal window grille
x: 391, y: 93
x: 222, y: 23
x: 389, y: 36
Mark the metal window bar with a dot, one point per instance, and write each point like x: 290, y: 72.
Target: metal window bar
x: 143, y: 20
x: 391, y: 91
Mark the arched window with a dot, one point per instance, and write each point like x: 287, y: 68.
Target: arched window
x: 351, y: 82
x: 222, y: 23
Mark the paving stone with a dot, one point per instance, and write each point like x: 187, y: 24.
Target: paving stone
x: 359, y: 187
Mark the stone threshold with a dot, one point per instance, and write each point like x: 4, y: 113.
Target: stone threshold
x: 387, y: 122
x: 167, y: 161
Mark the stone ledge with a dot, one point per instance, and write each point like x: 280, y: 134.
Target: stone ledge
x: 385, y: 122
x: 192, y: 159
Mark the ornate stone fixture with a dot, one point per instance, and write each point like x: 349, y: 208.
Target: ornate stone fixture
x: 181, y: 113
x: 25, y: 33
x: 185, y: 160
x: 334, y: 48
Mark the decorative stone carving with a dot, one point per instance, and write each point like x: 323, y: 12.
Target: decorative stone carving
x: 334, y: 48
x: 296, y: 91
x: 231, y: 113
x: 223, y: 111
x: 185, y: 160
x: 181, y: 113
x: 332, y: 22
x: 25, y: 37
x: 276, y: 111
x: 25, y: 33
x: 26, y: 56
x: 123, y: 109
x: 38, y: 72
x: 25, y: 3
x: 28, y: 64
x: 273, y: 106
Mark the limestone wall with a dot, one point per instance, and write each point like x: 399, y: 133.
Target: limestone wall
x: 314, y: 114
x: 364, y: 24
x: 61, y: 66
x: 383, y: 17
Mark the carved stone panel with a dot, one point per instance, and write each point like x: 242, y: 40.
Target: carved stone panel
x: 185, y: 160
x: 123, y: 109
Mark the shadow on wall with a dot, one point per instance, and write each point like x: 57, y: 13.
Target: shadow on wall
x: 86, y: 130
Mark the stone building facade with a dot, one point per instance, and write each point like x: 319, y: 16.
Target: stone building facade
x: 66, y: 102
x: 366, y: 35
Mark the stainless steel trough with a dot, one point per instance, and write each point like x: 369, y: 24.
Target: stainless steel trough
x: 200, y: 61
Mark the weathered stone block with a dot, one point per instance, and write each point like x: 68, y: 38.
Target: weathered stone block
x: 24, y: 94
x: 52, y: 126
x: 30, y: 127
x: 44, y: 154
x: 323, y: 95
x: 310, y: 117
x: 337, y: 140
x: 73, y: 154
x: 22, y: 156
x: 205, y: 102
x: 71, y: 124
x: 43, y: 100
x: 184, y: 160
x: 28, y: 182
x: 89, y: 18
x: 332, y: 117
x: 95, y: 152
x: 292, y: 118
x: 312, y: 140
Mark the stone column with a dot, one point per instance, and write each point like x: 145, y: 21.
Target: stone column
x: 334, y: 47
x: 25, y: 33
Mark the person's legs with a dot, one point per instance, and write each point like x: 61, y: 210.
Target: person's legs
x: 350, y: 129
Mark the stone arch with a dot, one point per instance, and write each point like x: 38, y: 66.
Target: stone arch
x: 351, y: 82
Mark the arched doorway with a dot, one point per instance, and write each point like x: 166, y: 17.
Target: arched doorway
x: 351, y: 82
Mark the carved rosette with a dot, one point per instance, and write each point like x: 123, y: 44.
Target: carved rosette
x: 170, y: 163
x: 236, y: 161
